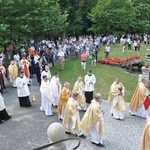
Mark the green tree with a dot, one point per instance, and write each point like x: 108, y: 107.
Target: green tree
x: 77, y: 10
x: 73, y: 8
x: 86, y: 7
x: 142, y: 15
x: 112, y: 15
x: 26, y: 19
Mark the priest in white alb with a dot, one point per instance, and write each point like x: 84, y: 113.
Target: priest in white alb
x: 92, y: 121
x: 140, y: 102
x: 116, y: 100
x: 79, y: 88
x: 55, y: 89
x: 71, y: 119
x: 46, y: 98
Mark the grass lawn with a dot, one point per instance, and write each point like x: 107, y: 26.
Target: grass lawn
x: 105, y: 74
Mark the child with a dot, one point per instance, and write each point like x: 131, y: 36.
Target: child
x: 93, y: 60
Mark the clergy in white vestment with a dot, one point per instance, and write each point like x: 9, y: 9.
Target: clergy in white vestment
x: 116, y: 100
x: 55, y: 88
x: 79, y: 88
x: 23, y: 90
x: 46, y: 72
x: 46, y: 97
x: 90, y: 81
x: 71, y: 119
x: 140, y: 101
x: 92, y: 121
x: 3, y: 113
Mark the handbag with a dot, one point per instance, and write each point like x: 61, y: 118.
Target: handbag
x: 90, y: 57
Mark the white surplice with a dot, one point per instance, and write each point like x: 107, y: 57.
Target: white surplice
x: 22, y: 90
x: 55, y: 90
x: 46, y: 98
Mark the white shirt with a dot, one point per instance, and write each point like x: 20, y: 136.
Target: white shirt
x: 60, y: 54
x: 16, y: 57
x: 36, y: 57
x: 54, y: 86
x: 2, y: 105
x: 22, y: 90
x: 88, y: 86
x: 46, y: 73
x: 107, y: 48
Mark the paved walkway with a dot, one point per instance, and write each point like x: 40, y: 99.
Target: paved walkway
x: 28, y: 127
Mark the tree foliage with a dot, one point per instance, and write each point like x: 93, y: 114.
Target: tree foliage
x: 116, y: 15
x: 142, y: 15
x: 25, y: 19
x: 73, y: 8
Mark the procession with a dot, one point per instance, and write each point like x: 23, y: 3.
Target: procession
x: 78, y: 107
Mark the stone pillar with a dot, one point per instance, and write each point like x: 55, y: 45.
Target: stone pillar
x: 140, y: 77
x: 56, y: 132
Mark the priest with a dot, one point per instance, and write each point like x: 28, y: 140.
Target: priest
x: 71, y: 119
x: 138, y: 105
x: 80, y: 88
x: 13, y: 73
x: 92, y: 121
x: 145, y: 141
x: 116, y: 99
x: 63, y: 99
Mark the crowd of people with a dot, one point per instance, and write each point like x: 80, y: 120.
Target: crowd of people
x: 69, y: 102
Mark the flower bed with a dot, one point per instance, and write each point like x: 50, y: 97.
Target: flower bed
x: 116, y: 60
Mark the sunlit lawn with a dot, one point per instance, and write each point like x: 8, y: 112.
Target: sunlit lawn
x: 105, y: 74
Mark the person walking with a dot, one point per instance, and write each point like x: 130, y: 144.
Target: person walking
x: 3, y: 113
x: 71, y: 119
x: 83, y: 59
x: 46, y: 72
x: 55, y: 89
x: 107, y: 50
x: 46, y: 98
x: 140, y: 100
x: 116, y: 99
x: 80, y: 89
x: 90, y: 81
x: 24, y: 65
x: 92, y: 121
x: 145, y: 140
x: 13, y: 73
x: 23, y: 90
x: 63, y: 99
